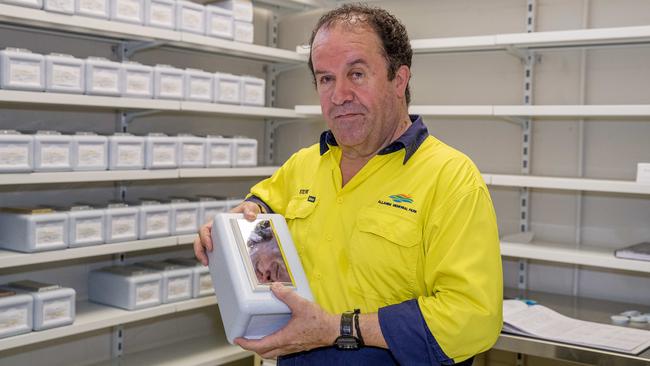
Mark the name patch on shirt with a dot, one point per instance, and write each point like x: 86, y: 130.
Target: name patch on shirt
x: 399, y: 201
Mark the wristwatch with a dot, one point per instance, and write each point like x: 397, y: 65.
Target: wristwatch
x: 347, y: 341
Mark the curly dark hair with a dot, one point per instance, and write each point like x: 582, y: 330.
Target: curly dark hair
x: 392, y: 33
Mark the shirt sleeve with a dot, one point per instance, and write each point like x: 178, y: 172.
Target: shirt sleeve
x: 461, y: 316
x: 274, y: 193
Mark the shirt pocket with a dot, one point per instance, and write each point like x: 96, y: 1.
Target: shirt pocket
x: 384, y: 253
x: 299, y: 216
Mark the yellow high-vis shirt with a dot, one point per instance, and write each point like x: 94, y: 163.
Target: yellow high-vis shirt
x: 424, y: 229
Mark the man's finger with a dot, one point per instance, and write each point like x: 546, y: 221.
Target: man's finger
x: 250, y: 212
x: 199, y: 252
x: 205, y: 234
x: 287, y: 296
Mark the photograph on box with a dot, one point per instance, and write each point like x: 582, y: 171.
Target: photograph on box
x: 261, y: 252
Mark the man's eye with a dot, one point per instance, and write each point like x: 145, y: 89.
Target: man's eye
x: 357, y: 75
x: 324, y: 79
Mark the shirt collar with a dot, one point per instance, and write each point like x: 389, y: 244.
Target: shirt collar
x: 410, y: 140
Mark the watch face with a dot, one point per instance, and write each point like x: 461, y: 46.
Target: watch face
x: 347, y: 342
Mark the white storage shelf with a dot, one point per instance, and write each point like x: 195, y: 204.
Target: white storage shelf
x: 573, y: 184
x: 118, y: 30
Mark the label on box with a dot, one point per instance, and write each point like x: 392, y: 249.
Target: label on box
x: 163, y: 154
x: 192, y: 153
x: 13, y: 319
x: 229, y: 91
x: 129, y: 154
x: 221, y: 25
x: 89, y: 230
x: 90, y: 155
x: 192, y: 19
x: 220, y: 154
x: 162, y: 14
x: 200, y: 87
x: 186, y: 219
x: 63, y: 5
x: 69, y: 76
x: 178, y: 287
x: 93, y: 6
x: 138, y: 83
x: 55, y: 310
x: 14, y: 155
x: 253, y: 94
x: 123, y: 226
x: 24, y: 73
x: 245, y: 153
x: 171, y: 85
x: 49, y: 233
x: 105, y: 79
x: 128, y: 9
x: 243, y: 34
x: 205, y: 282
x: 146, y: 293
x: 55, y: 154
x: 156, y: 222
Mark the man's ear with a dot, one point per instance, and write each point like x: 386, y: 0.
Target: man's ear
x: 401, y: 80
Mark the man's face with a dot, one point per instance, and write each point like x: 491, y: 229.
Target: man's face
x: 358, y: 101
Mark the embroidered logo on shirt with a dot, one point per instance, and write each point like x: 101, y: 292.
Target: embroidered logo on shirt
x: 311, y: 199
x: 397, y: 200
x: 401, y: 198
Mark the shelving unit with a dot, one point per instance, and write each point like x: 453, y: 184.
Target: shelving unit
x: 574, y: 184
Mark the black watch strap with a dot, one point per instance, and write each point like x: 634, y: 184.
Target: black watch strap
x: 346, y: 341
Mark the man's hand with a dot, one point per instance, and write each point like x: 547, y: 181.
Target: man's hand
x: 309, y: 327
x: 203, y: 243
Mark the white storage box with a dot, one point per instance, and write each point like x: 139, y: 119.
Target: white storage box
x: 209, y: 207
x: 64, y: 74
x: 244, y: 152
x: 227, y: 88
x: 199, y: 85
x: 168, y: 82
x: 52, y: 151
x: 247, y: 258
x: 242, y: 9
x: 90, y: 151
x: 160, y: 13
x: 54, y: 306
x: 103, y: 77
x: 125, y: 151
x: 192, y: 151
x: 219, y: 22
x: 16, y: 313
x: 129, y: 11
x: 17, y: 152
x: 38, y: 4
x: 155, y: 219
x: 191, y: 17
x: 126, y: 287
x: 185, y: 215
x: 121, y: 222
x: 21, y: 69
x: 176, y: 280
x: 253, y: 91
x: 86, y: 226
x: 219, y: 152
x: 161, y: 151
x: 93, y: 8
x: 243, y: 32
x: 59, y: 6
x: 201, y: 279
x: 137, y: 80
x: 33, y: 230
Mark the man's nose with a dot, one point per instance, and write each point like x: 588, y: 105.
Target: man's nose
x: 342, y: 92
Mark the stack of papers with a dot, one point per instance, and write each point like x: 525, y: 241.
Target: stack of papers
x: 639, y: 251
x: 541, y: 322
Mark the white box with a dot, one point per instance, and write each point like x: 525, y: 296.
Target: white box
x: 21, y: 69
x: 643, y: 173
x: 125, y: 151
x: 126, y: 287
x: 201, y: 279
x: 129, y: 11
x: 244, y: 152
x: 64, y: 74
x: 33, y: 230
x: 219, y: 152
x: 168, y: 82
x: 219, y: 22
x: 17, y: 152
x: 253, y: 91
x: 121, y: 222
x: 242, y: 9
x: 90, y: 151
x: 54, y: 306
x: 87, y: 226
x: 137, y: 80
x: 59, y: 6
x: 227, y: 88
x: 210, y: 206
x: 103, y: 77
x: 16, y: 313
x: 185, y: 216
x: 199, y: 85
x: 192, y: 151
x: 176, y: 280
x: 52, y: 151
x: 160, y: 13
x: 190, y: 17
x: 244, y: 32
x: 161, y: 151
x: 155, y: 219
x: 93, y: 8
x: 38, y: 4
x: 247, y: 258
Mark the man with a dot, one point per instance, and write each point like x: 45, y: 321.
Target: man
x: 385, y: 218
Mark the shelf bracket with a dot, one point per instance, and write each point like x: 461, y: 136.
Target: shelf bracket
x: 125, y: 50
x: 117, y: 342
x: 126, y: 117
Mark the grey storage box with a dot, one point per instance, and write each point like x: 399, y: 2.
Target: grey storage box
x: 155, y: 219
x: 121, y: 222
x: 16, y: 313
x: 126, y: 287
x: 33, y: 229
x: 86, y: 226
x: 17, y: 152
x: 201, y: 280
x: 54, y: 306
x: 176, y: 280
x: 185, y: 216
